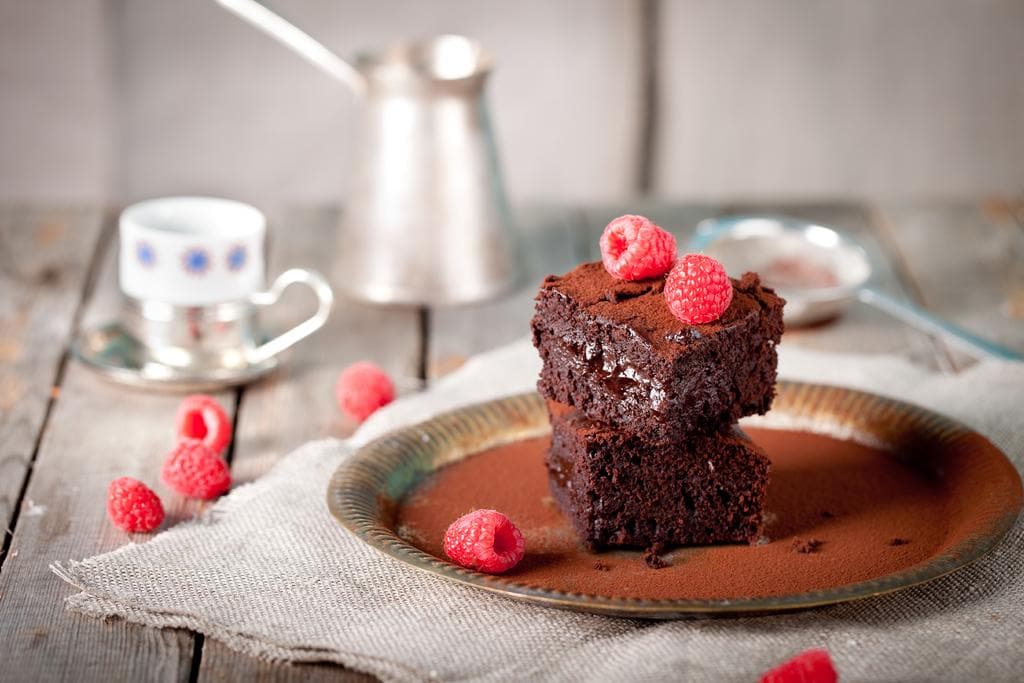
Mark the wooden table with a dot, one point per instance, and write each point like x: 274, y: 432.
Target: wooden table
x: 65, y: 433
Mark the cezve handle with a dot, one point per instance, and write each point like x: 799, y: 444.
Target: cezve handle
x: 324, y: 296
x: 300, y: 42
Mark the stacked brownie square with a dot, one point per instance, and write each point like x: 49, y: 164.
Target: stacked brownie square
x: 645, y: 447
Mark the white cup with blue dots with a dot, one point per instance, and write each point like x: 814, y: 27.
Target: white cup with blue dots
x: 192, y: 272
x: 191, y: 251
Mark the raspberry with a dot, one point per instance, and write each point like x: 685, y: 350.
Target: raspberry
x: 362, y: 388
x: 193, y: 470
x: 133, y: 506
x: 698, y: 289
x: 811, y: 666
x: 201, y: 417
x: 634, y: 248
x: 485, y: 540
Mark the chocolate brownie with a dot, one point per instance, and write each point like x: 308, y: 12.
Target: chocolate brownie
x: 612, y: 349
x: 618, y: 490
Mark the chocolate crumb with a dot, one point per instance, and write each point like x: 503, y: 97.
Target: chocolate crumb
x: 899, y: 541
x: 811, y: 545
x: 827, y: 514
x: 602, y: 567
x: 652, y: 556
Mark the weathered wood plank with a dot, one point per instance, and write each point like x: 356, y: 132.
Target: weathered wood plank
x: 45, y: 260
x: 549, y: 246
x: 98, y: 431
x: 221, y: 664
x: 967, y: 262
x: 297, y: 403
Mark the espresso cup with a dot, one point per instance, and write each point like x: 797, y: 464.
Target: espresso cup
x: 192, y: 274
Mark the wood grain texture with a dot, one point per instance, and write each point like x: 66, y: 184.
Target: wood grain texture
x: 45, y: 260
x: 58, y: 115
x: 549, y: 238
x: 296, y: 404
x: 967, y: 263
x: 221, y: 664
x: 850, y: 98
x: 97, y: 431
x: 957, y: 259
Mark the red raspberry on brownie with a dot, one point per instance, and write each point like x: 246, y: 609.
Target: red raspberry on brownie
x: 634, y: 248
x: 810, y: 666
x: 698, y: 290
x: 485, y: 540
x: 133, y: 506
x: 201, y: 417
x: 362, y: 388
x: 193, y: 470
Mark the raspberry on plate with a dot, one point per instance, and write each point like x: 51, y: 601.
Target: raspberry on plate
x: 634, y: 248
x: 133, y: 506
x: 201, y: 417
x: 193, y: 470
x: 698, y: 290
x: 810, y: 666
x: 485, y: 540
x: 362, y: 388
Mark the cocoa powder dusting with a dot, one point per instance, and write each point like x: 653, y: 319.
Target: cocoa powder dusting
x: 882, y: 500
x: 807, y: 546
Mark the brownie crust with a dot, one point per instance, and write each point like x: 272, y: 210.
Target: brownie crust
x: 619, y: 491
x: 613, y: 350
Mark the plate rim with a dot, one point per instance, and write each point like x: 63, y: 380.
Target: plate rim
x: 791, y: 397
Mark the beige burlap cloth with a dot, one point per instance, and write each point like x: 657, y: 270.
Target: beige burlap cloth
x: 269, y: 572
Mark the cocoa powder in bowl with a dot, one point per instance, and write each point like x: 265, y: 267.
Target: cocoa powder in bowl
x: 834, y: 510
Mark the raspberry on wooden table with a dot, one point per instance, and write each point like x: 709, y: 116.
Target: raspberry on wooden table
x: 201, y: 417
x: 362, y: 388
x: 697, y: 289
x: 193, y: 470
x: 485, y: 540
x: 133, y: 506
x: 810, y: 666
x: 634, y: 248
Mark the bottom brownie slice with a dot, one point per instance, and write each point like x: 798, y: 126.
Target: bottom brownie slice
x: 621, y: 491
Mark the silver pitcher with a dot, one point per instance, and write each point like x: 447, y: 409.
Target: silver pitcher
x: 427, y: 220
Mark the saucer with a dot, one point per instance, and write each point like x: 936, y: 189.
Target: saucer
x: 889, y: 495
x: 117, y: 355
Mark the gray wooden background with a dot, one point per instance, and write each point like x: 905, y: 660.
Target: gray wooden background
x: 113, y: 100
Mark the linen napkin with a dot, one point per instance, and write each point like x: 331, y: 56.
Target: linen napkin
x: 269, y: 572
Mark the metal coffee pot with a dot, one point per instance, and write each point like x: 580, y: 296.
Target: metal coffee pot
x: 427, y: 220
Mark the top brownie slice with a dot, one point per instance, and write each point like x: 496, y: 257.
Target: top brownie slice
x: 612, y: 349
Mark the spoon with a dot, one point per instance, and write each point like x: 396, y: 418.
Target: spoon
x: 820, y: 271
x: 300, y: 42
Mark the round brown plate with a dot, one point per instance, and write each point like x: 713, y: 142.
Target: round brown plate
x: 868, y: 496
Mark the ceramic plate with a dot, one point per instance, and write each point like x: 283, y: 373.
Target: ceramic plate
x: 947, y: 492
